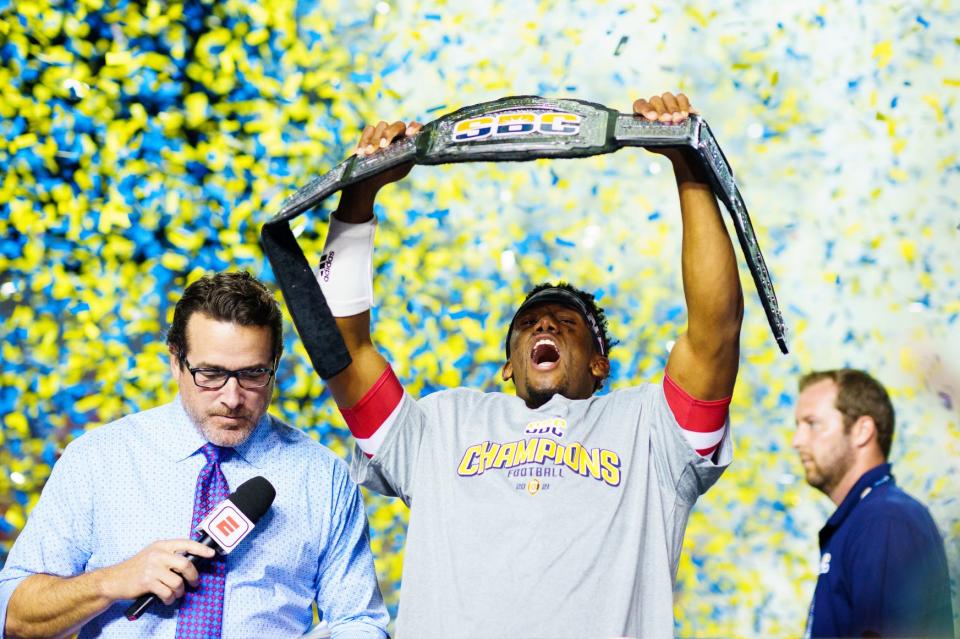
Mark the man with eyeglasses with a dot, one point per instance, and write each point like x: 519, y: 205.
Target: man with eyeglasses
x: 119, y: 511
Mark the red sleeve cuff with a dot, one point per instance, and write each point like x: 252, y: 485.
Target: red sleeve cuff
x: 367, y: 415
x: 695, y: 414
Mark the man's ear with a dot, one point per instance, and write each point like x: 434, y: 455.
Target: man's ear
x: 174, y: 362
x: 863, y: 431
x: 600, y: 367
x: 506, y: 373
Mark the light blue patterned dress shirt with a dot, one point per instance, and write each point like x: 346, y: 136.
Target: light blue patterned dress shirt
x: 129, y: 483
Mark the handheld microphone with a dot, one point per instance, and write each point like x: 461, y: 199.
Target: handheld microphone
x: 224, y: 527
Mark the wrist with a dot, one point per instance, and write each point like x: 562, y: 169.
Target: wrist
x: 102, y: 586
x: 356, y: 207
x: 345, y: 272
x: 687, y: 167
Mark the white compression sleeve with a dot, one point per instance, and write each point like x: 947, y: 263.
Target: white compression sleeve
x: 345, y: 273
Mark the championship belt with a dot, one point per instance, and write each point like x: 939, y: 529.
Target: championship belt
x: 510, y: 129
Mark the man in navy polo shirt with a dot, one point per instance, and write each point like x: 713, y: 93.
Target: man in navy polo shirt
x: 883, y: 570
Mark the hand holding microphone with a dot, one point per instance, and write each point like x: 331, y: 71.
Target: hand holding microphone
x: 223, y: 529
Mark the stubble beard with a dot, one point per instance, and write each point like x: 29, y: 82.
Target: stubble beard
x: 219, y: 436
x: 826, y: 476
x: 537, y: 397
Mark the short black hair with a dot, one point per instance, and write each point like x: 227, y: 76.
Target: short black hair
x: 588, y: 300
x: 236, y: 297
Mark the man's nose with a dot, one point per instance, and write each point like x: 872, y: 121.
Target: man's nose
x: 546, y: 323
x: 798, y: 437
x: 231, y: 394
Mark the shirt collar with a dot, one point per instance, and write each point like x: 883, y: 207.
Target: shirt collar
x: 181, y: 438
x: 866, y: 481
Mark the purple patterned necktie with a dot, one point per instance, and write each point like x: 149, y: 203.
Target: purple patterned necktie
x: 201, y: 611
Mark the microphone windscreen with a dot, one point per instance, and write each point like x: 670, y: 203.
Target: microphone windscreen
x: 253, y: 498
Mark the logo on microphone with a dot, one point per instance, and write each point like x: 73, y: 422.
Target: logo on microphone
x: 226, y: 525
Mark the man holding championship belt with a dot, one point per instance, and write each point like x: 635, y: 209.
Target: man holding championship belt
x: 490, y: 552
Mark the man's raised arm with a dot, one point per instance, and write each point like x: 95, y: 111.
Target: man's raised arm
x: 705, y: 358
x: 349, y: 288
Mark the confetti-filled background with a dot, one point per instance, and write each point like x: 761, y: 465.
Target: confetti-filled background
x: 144, y: 143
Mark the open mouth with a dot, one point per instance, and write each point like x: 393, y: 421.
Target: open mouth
x: 545, y: 355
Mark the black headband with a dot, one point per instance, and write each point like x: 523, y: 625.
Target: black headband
x: 554, y: 295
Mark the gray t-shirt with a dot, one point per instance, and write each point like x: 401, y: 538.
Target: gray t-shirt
x: 564, y: 521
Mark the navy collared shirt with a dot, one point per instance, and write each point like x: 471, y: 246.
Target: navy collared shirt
x: 883, y: 570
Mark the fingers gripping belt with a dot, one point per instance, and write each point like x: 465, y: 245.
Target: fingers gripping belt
x: 510, y: 129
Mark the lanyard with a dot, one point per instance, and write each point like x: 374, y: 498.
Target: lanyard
x: 869, y: 489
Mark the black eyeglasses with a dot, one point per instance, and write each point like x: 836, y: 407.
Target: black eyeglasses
x: 217, y: 378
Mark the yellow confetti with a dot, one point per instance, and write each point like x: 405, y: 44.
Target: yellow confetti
x: 883, y: 53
